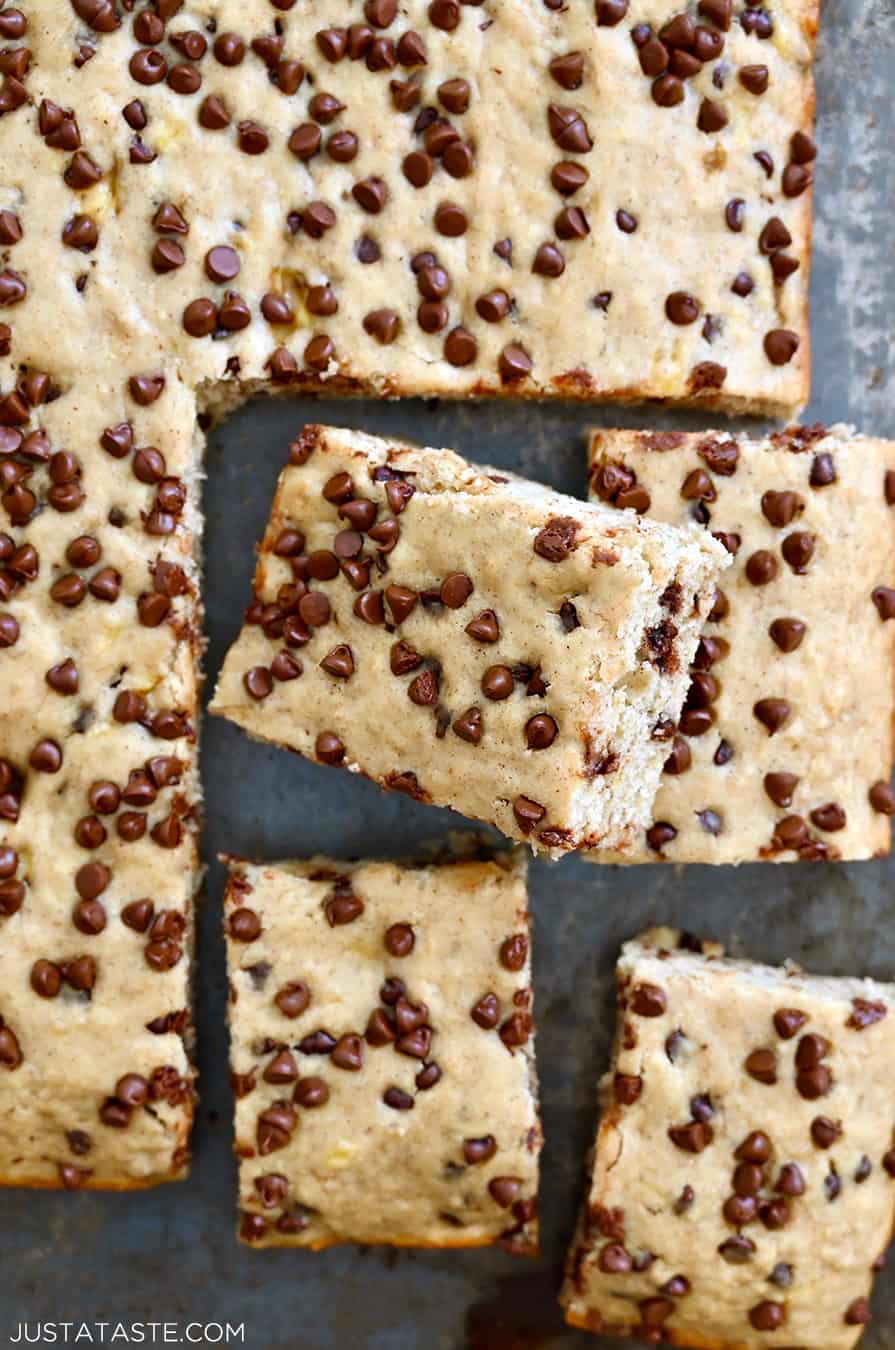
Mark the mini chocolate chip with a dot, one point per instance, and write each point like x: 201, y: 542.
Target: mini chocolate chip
x: 787, y: 634
x: 788, y: 1022
x: 691, y: 1138
x: 528, y: 813
x: 682, y: 308
x: 497, y: 682
x: 455, y: 590
x: 857, y: 1314
x: 825, y: 1132
x: 258, y: 682
x: 712, y: 116
x: 660, y: 833
x: 762, y: 1066
x: 348, y: 1053
x: 244, y: 925
x: 761, y: 567
x: 814, y: 1082
x: 468, y: 726
x: 790, y: 1181
x: 883, y: 598
x: 648, y: 1000
x: 293, y: 998
x: 865, y: 1013
x: 767, y: 1316
x: 339, y: 663
x: 756, y: 1148
x: 773, y: 713
x: 736, y: 1251
x: 482, y: 1150
x: 754, y: 78
x: 46, y: 757
x: 486, y: 1012
x: 568, y: 129
x: 540, y: 731
x: 882, y: 798
x: 780, y: 346
x: 310, y: 1093
x: 829, y: 817
x: 397, y: 1099
x: 399, y: 939
x: 668, y: 91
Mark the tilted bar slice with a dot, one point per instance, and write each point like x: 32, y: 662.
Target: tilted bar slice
x: 469, y: 638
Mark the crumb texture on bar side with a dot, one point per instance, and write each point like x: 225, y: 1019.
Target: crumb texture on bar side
x: 383, y: 1053
x: 784, y: 748
x: 469, y: 638
x: 742, y: 1187
x: 582, y: 201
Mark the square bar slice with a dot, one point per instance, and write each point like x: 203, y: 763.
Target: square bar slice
x: 469, y: 638
x: 742, y: 1186
x: 784, y: 749
x: 383, y: 1053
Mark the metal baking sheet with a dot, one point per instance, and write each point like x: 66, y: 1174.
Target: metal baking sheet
x: 170, y: 1255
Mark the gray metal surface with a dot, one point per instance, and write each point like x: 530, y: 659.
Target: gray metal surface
x: 171, y: 1254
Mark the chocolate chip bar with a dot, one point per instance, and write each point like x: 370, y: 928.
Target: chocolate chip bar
x: 742, y: 1188
x: 383, y: 1053
x: 582, y: 201
x: 784, y: 748
x: 98, y: 858
x: 469, y: 639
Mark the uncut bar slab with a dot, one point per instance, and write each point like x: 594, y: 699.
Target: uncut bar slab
x: 742, y: 1186
x: 383, y: 1053
x: 470, y: 639
x: 784, y: 750
x: 577, y: 201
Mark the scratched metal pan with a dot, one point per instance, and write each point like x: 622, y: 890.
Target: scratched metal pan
x: 170, y: 1254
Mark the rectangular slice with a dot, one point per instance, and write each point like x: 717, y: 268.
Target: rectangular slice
x: 580, y: 201
x: 742, y: 1186
x: 98, y: 787
x: 784, y: 749
x: 383, y: 1053
x: 469, y: 638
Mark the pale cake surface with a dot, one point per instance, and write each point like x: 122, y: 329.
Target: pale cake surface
x: 784, y: 749
x: 468, y: 638
x: 382, y: 1049
x: 353, y: 148
x: 742, y: 1187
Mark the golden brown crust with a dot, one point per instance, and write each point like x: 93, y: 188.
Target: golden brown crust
x: 38, y: 1182
x: 693, y: 1340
